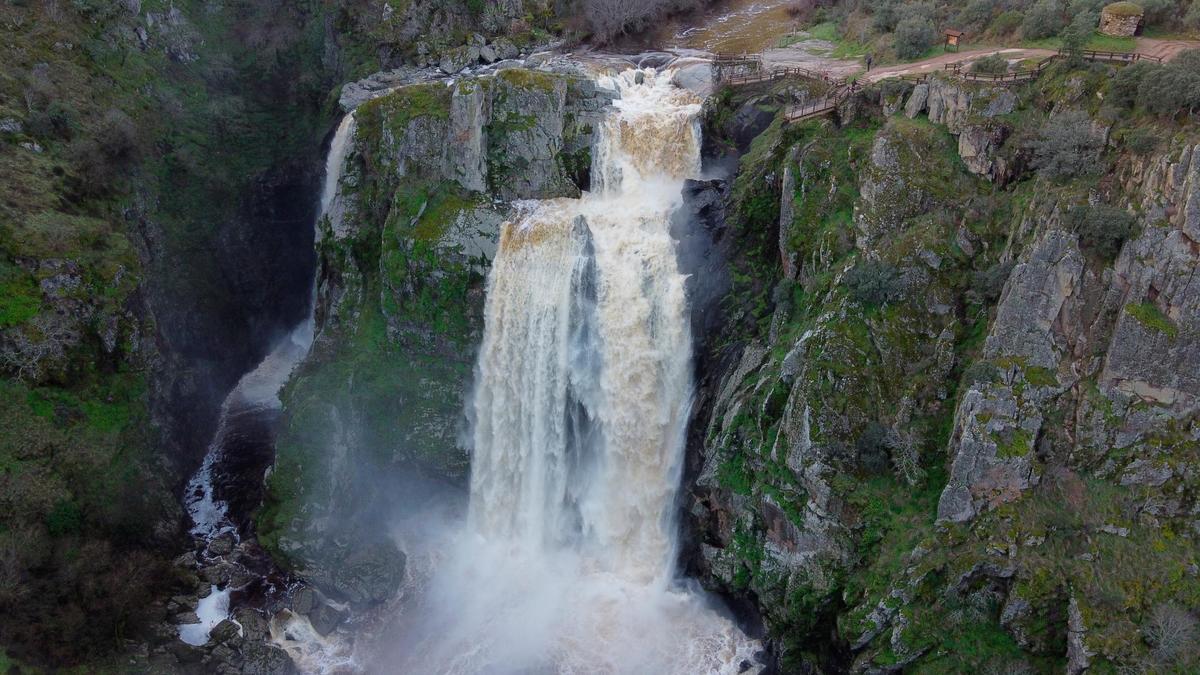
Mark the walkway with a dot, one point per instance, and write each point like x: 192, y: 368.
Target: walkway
x: 763, y: 70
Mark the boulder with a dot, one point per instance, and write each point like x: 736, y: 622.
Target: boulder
x: 264, y: 659
x: 225, y: 632
x: 456, y: 59
x: 222, y: 544
x: 325, y: 618
x: 504, y: 49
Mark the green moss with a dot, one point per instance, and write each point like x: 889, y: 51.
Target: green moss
x: 733, y: 475
x: 20, y: 299
x: 525, y: 78
x: 1014, y: 443
x: 1149, y: 315
x: 1124, y: 9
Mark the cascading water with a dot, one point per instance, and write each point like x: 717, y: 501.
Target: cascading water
x: 248, y: 410
x: 582, y: 396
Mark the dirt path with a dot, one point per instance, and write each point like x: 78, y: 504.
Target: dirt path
x: 799, y: 57
x: 1165, y: 49
x: 939, y: 62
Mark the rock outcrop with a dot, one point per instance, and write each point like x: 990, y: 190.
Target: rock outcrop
x: 404, y: 256
x: 943, y: 411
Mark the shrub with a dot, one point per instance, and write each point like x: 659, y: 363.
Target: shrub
x: 873, y: 283
x: 64, y: 519
x: 990, y: 65
x: 1192, y: 18
x: 1007, y: 23
x: 1127, y: 82
x: 976, y: 15
x: 884, y: 17
x: 914, y: 35
x: 56, y: 121
x: 1102, y: 229
x: 101, y: 160
x: 1076, y: 35
x: 1066, y: 146
x: 1043, y: 20
x: 1141, y: 141
x: 989, y: 284
x: 871, y: 449
x: 609, y: 18
x: 1172, y: 88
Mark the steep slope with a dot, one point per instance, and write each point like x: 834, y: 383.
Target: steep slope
x: 948, y: 426
x: 159, y: 164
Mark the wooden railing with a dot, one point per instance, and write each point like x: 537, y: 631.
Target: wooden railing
x: 1032, y: 73
x: 782, y: 73
x: 820, y: 106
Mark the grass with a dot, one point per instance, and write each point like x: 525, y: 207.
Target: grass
x: 829, y: 32
x: 1097, y: 42
x: 1150, y: 316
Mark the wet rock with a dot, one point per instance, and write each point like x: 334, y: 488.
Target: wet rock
x: 304, y: 600
x: 263, y: 659
x: 185, y: 653
x: 750, y: 120
x: 325, y: 618
x: 225, y: 632
x: 697, y: 78
x: 254, y: 626
x: 222, y: 544
x: 370, y: 574
x: 10, y: 125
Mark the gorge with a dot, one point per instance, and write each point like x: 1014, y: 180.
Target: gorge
x: 579, y: 356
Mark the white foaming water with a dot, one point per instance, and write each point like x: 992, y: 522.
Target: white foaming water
x: 583, y: 387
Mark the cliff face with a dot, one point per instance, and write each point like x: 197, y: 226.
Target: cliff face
x: 403, y: 260
x: 945, y: 413
x: 159, y: 165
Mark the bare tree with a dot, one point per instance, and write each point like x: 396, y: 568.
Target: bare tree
x: 26, y: 350
x: 1172, y: 633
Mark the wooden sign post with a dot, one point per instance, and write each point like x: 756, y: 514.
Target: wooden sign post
x: 953, y: 37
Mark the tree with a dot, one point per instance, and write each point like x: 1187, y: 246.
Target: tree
x: 1172, y: 633
x: 1066, y: 146
x: 1043, y: 20
x: 914, y: 35
x: 1102, y: 229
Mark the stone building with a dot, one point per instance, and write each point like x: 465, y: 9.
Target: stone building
x: 1121, y: 19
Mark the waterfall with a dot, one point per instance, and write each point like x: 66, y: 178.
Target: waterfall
x: 582, y: 394
x: 584, y: 373
x: 249, y: 407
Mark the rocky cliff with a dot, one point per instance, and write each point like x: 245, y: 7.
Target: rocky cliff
x: 159, y: 164
x: 950, y: 422
x: 433, y: 172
